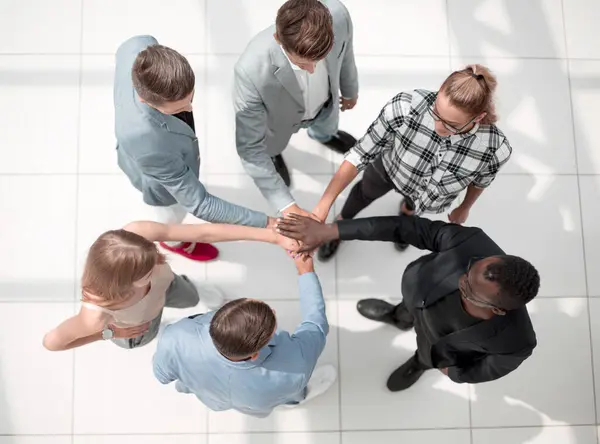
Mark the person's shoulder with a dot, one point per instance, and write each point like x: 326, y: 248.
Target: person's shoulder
x: 131, y: 47
x: 257, y: 50
x: 338, y: 10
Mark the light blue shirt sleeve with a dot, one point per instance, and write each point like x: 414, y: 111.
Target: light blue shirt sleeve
x: 177, y: 178
x: 161, y: 362
x: 311, y: 334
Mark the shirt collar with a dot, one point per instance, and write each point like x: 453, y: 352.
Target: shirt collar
x: 456, y: 137
x: 294, y: 67
x: 264, y: 353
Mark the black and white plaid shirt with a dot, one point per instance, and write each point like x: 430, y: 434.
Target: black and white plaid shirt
x: 430, y: 169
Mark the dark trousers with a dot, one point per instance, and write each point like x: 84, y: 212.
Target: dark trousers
x: 403, y: 316
x: 375, y: 183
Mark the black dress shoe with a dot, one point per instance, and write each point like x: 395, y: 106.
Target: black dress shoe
x: 282, y: 169
x: 405, y: 375
x: 382, y: 311
x: 376, y: 310
x: 341, y: 142
x: 328, y: 250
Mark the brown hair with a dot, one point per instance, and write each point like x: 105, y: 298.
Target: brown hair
x: 242, y: 327
x: 305, y: 28
x: 161, y: 74
x: 115, y: 261
x: 472, y: 91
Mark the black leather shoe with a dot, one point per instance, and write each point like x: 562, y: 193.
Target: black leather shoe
x: 282, y: 169
x: 376, y: 310
x: 341, y: 142
x: 405, y: 375
x: 382, y: 311
x: 328, y: 250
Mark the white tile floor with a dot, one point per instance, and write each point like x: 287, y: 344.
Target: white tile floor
x: 60, y: 187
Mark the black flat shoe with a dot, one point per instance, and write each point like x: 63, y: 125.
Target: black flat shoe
x: 405, y: 375
x: 328, y: 250
x: 341, y: 142
x: 282, y: 169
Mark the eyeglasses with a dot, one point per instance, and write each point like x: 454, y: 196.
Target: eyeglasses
x: 449, y: 127
x: 474, y: 300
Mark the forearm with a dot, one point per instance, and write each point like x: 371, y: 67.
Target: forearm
x: 471, y: 197
x: 419, y: 232
x: 342, y: 178
x: 56, y: 340
x: 207, y: 233
x: 216, y: 210
x: 312, y: 303
x: 260, y: 168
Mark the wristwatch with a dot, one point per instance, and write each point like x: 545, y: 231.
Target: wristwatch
x: 107, y: 333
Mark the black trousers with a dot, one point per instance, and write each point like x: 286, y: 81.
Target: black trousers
x: 375, y: 183
x: 422, y: 354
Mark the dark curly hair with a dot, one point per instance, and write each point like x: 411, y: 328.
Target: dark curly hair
x: 518, y: 280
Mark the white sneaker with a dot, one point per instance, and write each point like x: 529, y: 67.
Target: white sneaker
x: 321, y: 380
x: 210, y: 295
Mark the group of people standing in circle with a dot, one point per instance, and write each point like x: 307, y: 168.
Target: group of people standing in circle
x: 466, y: 299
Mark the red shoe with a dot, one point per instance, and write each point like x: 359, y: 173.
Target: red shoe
x: 194, y: 251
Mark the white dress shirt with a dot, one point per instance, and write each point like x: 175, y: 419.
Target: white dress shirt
x: 314, y: 87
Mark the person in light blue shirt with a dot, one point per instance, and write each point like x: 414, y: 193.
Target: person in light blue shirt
x: 237, y: 358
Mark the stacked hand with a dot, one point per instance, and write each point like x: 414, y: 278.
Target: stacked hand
x: 310, y: 232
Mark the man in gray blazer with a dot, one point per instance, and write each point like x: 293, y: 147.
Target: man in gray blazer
x: 156, y: 141
x: 290, y: 77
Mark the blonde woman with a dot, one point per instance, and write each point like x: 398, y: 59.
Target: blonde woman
x: 127, y: 282
x: 428, y: 146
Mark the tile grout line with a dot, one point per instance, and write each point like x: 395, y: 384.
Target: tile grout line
x: 76, y: 227
x: 235, y: 54
x: 585, y: 272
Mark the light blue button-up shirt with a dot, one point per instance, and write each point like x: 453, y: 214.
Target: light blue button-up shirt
x: 186, y: 354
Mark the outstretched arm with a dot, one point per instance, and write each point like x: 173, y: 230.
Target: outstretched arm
x: 416, y: 231
x: 208, y: 233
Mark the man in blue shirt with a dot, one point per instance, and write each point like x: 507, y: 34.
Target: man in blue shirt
x: 236, y: 358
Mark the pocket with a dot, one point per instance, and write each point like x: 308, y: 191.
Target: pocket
x: 342, y: 50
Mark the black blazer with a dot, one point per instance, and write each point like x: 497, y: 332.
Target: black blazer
x: 486, y: 351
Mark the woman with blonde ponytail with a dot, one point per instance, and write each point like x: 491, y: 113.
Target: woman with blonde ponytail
x: 428, y: 146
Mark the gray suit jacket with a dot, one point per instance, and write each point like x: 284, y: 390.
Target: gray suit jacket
x: 159, y: 153
x: 268, y: 101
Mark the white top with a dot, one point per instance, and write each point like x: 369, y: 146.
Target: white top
x: 314, y: 87
x: 145, y: 309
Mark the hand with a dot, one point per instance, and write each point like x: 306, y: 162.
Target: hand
x: 129, y: 332
x: 304, y: 263
x: 295, y: 209
x: 271, y: 222
x: 289, y: 245
x: 405, y: 209
x: 444, y: 370
x: 306, y: 230
x: 459, y: 215
x: 347, y: 103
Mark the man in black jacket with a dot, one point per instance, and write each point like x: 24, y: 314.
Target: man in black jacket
x: 466, y: 300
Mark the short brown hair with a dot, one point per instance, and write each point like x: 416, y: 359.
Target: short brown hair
x: 242, y: 327
x: 115, y: 261
x: 161, y: 74
x: 472, y: 91
x: 305, y: 28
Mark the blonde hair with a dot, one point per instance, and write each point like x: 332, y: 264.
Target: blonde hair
x: 115, y: 261
x: 472, y: 90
